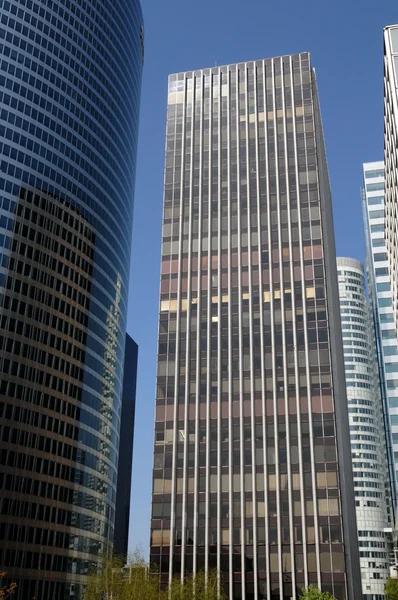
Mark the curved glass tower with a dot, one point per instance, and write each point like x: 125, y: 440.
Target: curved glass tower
x: 70, y: 81
x: 368, y: 439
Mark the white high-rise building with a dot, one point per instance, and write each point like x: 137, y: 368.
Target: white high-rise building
x: 367, y: 435
x: 391, y: 156
x: 381, y: 298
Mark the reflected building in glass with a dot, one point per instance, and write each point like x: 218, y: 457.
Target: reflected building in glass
x: 367, y: 431
x: 70, y: 83
x: 252, y: 463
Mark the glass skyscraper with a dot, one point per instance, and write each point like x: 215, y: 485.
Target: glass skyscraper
x: 252, y: 463
x: 380, y: 293
x: 70, y: 78
x: 391, y: 157
x: 368, y: 437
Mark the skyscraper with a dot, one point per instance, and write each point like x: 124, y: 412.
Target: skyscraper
x: 252, y: 464
x: 380, y: 293
x: 123, y: 492
x: 368, y: 437
x: 391, y: 157
x: 69, y: 93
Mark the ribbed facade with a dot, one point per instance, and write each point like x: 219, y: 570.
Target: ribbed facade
x: 381, y: 298
x: 70, y: 80
x: 391, y: 156
x: 367, y: 434
x: 252, y: 466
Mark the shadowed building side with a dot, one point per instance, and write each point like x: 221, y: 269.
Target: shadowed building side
x: 123, y: 492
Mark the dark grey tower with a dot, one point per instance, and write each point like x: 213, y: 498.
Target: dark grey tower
x: 252, y: 463
x: 123, y: 492
x: 69, y: 97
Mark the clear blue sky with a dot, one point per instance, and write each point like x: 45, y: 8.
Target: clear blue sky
x: 345, y: 41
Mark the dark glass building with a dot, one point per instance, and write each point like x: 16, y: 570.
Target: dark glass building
x: 70, y: 79
x: 252, y: 463
x: 123, y: 492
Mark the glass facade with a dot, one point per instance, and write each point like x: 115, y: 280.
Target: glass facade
x: 368, y: 439
x: 70, y: 77
x: 391, y: 157
x: 252, y: 465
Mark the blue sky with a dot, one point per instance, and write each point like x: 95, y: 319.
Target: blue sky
x: 345, y: 41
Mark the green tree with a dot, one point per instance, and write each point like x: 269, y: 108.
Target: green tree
x: 198, y: 587
x: 391, y: 589
x: 115, y: 580
x: 313, y: 593
x: 6, y: 590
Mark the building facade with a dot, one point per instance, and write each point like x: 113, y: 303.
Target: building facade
x: 391, y: 157
x: 367, y: 434
x: 69, y: 94
x: 381, y: 300
x: 252, y: 464
x: 123, y: 492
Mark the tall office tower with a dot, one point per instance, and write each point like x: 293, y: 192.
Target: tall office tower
x: 391, y: 156
x: 123, y: 492
x: 69, y: 94
x: 368, y: 439
x: 380, y: 293
x: 252, y: 463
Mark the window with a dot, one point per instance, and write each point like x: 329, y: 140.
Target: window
x: 388, y: 334
x: 379, y: 256
x: 375, y: 173
x: 374, y: 187
x: 384, y: 302
x: 376, y: 200
x: 376, y: 214
x: 390, y: 351
x: 394, y: 39
x: 377, y: 228
x: 383, y: 287
x: 387, y: 318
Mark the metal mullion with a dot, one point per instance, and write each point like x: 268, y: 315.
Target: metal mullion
x: 197, y: 384
x: 219, y: 331
x: 158, y: 333
x: 276, y: 432
x: 249, y: 263
x: 157, y: 353
x: 262, y: 303
x: 176, y: 370
x: 296, y: 364
x: 230, y: 405
x: 187, y: 351
x: 208, y: 347
x: 311, y: 433
x: 242, y: 478
x: 285, y: 374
